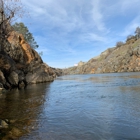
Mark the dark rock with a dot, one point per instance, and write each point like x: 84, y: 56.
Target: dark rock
x: 130, y: 52
x: 40, y: 74
x: 21, y: 85
x: 13, y: 78
x: 2, y: 78
x: 6, y: 63
x: 21, y: 65
x: 1, y: 86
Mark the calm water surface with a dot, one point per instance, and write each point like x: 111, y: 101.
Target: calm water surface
x: 77, y: 107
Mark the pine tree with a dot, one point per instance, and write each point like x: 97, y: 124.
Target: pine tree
x: 22, y: 29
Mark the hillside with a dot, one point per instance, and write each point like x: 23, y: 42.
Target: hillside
x: 125, y: 58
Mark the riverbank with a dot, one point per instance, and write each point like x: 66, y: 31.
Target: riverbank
x: 21, y: 65
x: 125, y: 58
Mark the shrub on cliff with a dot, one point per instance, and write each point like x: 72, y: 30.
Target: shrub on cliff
x: 119, y: 44
x: 129, y: 37
x: 22, y: 29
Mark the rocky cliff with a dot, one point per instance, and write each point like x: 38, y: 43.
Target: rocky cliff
x: 21, y: 65
x: 125, y: 58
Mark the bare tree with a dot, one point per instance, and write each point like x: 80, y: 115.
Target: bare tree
x: 9, y: 11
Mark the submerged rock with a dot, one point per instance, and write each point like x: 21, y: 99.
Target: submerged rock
x: 15, y: 132
x: 3, y: 124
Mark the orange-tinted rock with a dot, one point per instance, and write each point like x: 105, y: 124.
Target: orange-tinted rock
x: 18, y: 40
x: 92, y: 71
x: 21, y: 65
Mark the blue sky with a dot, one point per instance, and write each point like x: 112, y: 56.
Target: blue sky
x: 69, y: 31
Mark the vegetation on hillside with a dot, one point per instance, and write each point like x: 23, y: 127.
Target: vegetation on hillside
x: 22, y: 29
x: 119, y: 44
x: 131, y: 38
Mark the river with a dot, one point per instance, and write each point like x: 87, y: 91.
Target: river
x: 77, y: 107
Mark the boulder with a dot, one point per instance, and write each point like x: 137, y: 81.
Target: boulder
x: 13, y: 78
x: 41, y: 74
x: 6, y: 63
x: 2, y: 79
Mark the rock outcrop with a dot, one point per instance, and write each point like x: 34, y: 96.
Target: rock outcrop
x: 81, y: 63
x: 21, y: 65
x: 117, y: 59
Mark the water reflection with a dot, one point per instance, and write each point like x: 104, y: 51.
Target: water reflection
x: 78, y: 107
x: 100, y: 107
x: 22, y: 108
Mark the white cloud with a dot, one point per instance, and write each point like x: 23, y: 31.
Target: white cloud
x: 62, y: 22
x: 97, y: 15
x: 128, y: 5
x: 75, y: 64
x: 93, y: 37
x: 68, y: 15
x: 69, y: 26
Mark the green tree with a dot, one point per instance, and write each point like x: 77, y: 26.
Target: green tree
x: 22, y: 29
x: 137, y: 32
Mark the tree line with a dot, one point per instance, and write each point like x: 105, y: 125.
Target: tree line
x: 129, y: 37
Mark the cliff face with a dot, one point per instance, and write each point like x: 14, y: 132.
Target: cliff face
x: 21, y: 65
x: 118, y: 59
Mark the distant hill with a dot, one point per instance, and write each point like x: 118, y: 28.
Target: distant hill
x: 125, y: 57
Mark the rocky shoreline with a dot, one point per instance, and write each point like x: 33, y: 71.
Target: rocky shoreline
x: 21, y: 65
x: 7, y: 126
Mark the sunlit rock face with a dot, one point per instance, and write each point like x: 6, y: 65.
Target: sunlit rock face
x: 22, y: 65
x: 81, y: 63
x: 117, y: 59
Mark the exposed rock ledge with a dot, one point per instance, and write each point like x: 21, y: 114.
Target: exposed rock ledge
x: 21, y: 65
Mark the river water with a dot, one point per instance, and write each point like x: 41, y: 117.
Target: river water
x: 77, y: 107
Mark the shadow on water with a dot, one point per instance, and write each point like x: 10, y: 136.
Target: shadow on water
x: 20, y: 109
x: 75, y: 107
x: 91, y: 107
